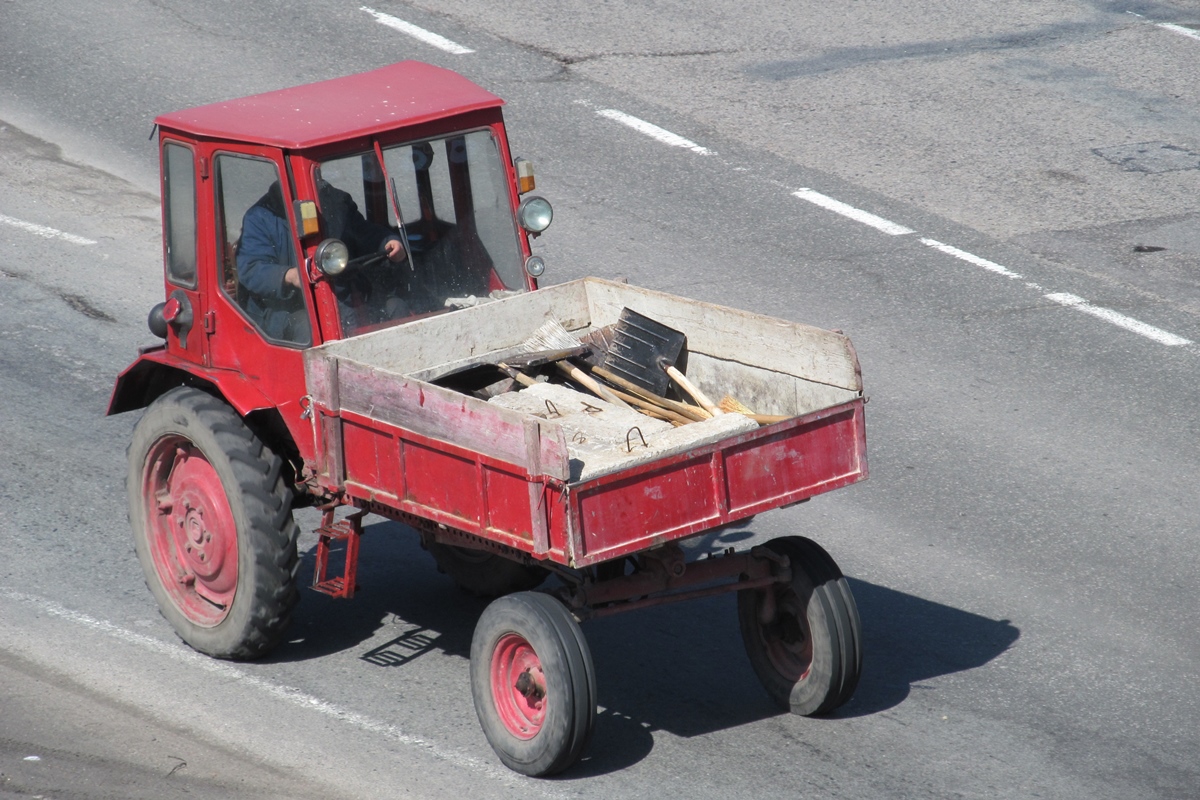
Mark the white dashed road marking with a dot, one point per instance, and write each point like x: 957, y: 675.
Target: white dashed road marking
x: 856, y: 214
x: 42, y: 230
x: 649, y: 129
x: 428, y: 37
x: 895, y: 229
x: 1068, y: 300
x: 970, y: 258
x: 1181, y: 30
x: 1118, y: 319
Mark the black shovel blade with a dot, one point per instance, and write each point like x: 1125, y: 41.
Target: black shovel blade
x: 639, y: 346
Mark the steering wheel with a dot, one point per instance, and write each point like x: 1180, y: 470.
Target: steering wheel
x: 369, y: 260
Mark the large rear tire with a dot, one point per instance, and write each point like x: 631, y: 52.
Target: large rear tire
x: 212, y: 525
x: 533, y: 683
x: 808, y: 653
x: 485, y: 574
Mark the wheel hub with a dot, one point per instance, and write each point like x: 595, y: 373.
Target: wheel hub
x: 518, y: 686
x: 193, y: 536
x: 787, y: 639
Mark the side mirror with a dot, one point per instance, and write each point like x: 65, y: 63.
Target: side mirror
x: 331, y: 257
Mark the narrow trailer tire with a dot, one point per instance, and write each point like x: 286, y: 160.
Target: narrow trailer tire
x: 810, y: 658
x: 529, y: 644
x: 485, y: 574
x: 211, y: 514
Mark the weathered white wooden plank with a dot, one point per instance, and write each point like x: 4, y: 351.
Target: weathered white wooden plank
x: 761, y: 390
x: 463, y: 335
x: 320, y: 378
x: 774, y: 344
x: 446, y: 415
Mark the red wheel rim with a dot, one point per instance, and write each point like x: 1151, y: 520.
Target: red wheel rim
x: 190, y: 530
x: 518, y: 686
x: 787, y: 641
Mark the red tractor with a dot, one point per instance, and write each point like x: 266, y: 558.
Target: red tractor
x: 349, y: 285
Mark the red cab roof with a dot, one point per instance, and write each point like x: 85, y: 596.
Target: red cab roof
x: 407, y: 93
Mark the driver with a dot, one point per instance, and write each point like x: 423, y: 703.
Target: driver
x: 268, y: 280
x: 344, y: 221
x: 266, y: 261
x: 366, y: 295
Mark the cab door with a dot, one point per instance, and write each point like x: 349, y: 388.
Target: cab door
x: 184, y: 246
x: 261, y: 306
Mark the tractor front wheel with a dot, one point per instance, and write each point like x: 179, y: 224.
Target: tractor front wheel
x: 212, y: 525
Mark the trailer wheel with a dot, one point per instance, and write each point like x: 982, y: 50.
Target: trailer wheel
x: 533, y: 683
x: 808, y: 651
x: 485, y: 574
x: 212, y: 525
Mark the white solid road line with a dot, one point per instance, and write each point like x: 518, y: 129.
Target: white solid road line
x: 428, y: 37
x: 1168, y: 26
x: 856, y: 214
x: 649, y: 129
x: 1118, y: 319
x: 42, y: 230
x: 281, y: 692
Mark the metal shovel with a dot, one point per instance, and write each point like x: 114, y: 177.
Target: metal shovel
x: 645, y: 352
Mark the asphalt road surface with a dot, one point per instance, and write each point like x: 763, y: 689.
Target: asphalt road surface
x: 997, y: 202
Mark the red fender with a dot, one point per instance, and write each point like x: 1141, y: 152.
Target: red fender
x: 156, y: 371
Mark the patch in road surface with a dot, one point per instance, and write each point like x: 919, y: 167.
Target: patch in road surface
x: 1150, y: 157
x: 842, y: 58
x: 1159, y: 256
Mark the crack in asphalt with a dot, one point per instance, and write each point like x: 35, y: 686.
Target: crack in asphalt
x: 74, y: 301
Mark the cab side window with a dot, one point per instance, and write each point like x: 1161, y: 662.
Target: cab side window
x: 179, y: 191
x: 259, y: 270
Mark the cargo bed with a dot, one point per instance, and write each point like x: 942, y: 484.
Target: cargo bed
x: 573, y: 479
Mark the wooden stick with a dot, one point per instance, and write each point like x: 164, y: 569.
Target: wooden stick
x: 693, y: 390
x: 517, y: 375
x: 691, y: 412
x: 652, y: 409
x: 582, y: 378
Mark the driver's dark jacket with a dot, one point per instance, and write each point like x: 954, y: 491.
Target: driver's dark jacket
x: 264, y: 255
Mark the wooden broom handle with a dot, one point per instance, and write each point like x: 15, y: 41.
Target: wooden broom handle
x: 690, y: 388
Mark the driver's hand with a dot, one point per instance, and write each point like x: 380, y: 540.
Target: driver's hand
x: 395, y: 250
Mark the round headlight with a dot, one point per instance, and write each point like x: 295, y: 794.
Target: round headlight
x: 535, y: 266
x: 332, y: 257
x: 535, y: 214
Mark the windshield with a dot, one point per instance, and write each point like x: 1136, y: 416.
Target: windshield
x: 458, y: 243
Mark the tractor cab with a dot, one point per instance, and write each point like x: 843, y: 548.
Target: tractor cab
x: 326, y: 211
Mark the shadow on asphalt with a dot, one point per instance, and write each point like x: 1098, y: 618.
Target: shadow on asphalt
x: 678, y: 668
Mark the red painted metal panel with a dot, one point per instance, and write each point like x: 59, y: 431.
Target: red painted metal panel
x: 407, y: 93
x: 616, y: 514
x: 372, y: 457
x: 774, y: 469
x: 508, y: 503
x: 362, y: 457
x: 648, y: 508
x: 677, y: 497
x: 438, y: 479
